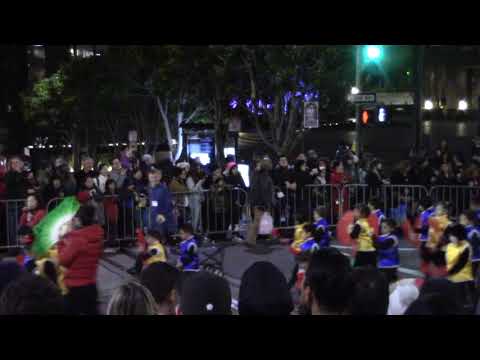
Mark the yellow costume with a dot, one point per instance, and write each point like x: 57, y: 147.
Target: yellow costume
x: 298, y: 238
x: 452, y: 256
x: 365, y: 238
x: 437, y: 225
x: 157, y: 252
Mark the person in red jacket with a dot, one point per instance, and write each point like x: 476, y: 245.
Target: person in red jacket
x: 79, y: 253
x: 110, y: 204
x: 339, y: 178
x: 32, y: 213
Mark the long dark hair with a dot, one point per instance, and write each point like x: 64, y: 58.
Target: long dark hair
x: 107, y: 187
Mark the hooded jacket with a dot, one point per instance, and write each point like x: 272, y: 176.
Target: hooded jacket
x: 79, y: 252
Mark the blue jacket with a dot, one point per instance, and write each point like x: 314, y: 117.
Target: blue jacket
x: 424, y: 217
x: 388, y: 256
x: 189, y: 254
x: 325, y: 240
x: 160, y: 203
x: 310, y: 245
x: 473, y: 237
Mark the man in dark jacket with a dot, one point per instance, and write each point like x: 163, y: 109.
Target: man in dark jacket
x: 160, y: 201
x: 79, y: 251
x: 261, y: 190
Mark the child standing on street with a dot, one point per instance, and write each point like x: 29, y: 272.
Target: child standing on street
x: 362, y: 233
x: 189, y: 259
x: 469, y: 220
x: 458, y: 257
x: 152, y: 250
x: 321, y: 227
x: 387, y: 250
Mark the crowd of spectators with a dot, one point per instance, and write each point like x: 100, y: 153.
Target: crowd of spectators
x: 330, y: 287
x: 175, y: 194
x: 123, y: 187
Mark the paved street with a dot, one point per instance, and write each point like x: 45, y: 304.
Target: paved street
x: 237, y: 258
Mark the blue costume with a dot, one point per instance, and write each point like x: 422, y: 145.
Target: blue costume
x: 477, y: 212
x: 160, y: 202
x: 189, y: 254
x: 380, y: 215
x: 387, y: 250
x: 310, y: 245
x: 473, y: 237
x: 324, y: 241
x: 424, y: 217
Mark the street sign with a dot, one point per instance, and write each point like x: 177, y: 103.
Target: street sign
x: 310, y: 114
x: 370, y: 98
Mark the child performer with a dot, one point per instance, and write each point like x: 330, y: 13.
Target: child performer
x: 435, y: 247
x: 362, y: 233
x: 321, y: 227
x: 469, y: 220
x: 387, y: 250
x: 152, y: 250
x: 189, y: 259
x: 458, y: 257
x: 427, y: 211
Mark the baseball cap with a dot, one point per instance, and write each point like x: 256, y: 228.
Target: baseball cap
x: 205, y: 294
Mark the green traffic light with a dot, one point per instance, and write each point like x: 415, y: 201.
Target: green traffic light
x: 373, y: 52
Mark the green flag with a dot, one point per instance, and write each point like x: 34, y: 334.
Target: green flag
x: 46, y: 232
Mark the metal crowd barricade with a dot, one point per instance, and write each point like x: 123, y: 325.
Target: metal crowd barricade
x: 10, y: 213
x: 390, y: 197
x: 292, y: 204
x: 457, y: 197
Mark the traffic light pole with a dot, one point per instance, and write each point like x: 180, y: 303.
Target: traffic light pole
x: 358, y: 125
x: 419, y: 96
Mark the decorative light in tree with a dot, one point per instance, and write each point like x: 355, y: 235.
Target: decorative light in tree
x: 233, y: 104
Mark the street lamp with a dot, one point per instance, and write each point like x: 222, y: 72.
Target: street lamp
x: 462, y: 105
x: 428, y: 105
x: 373, y: 52
x: 355, y: 90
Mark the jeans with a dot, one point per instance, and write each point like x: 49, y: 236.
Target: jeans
x: 14, y: 211
x: 196, y: 212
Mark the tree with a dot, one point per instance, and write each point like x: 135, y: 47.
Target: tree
x: 282, y: 78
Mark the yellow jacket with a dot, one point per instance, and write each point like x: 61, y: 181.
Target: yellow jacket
x: 365, y: 238
x: 298, y: 238
x: 159, y: 253
x: 452, y: 256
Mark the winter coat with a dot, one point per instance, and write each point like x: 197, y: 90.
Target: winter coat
x: 79, y: 252
x: 160, y: 202
x: 261, y: 190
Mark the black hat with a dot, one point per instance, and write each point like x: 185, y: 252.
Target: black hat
x: 205, y: 294
x: 264, y: 291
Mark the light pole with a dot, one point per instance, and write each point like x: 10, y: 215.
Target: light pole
x: 418, y: 96
x: 358, y: 59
